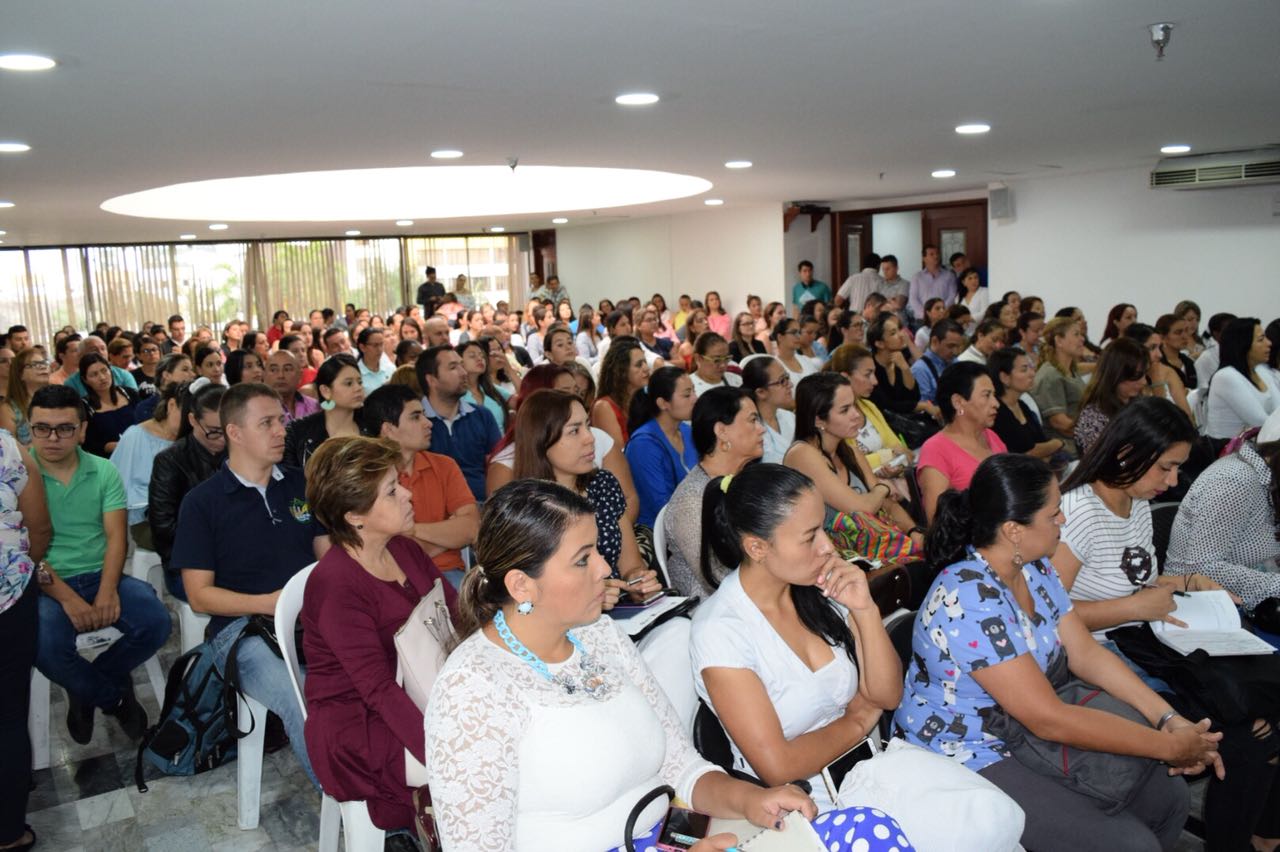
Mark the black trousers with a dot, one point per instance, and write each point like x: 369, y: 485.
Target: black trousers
x: 17, y: 656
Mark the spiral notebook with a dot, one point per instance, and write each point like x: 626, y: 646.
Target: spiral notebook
x: 796, y: 836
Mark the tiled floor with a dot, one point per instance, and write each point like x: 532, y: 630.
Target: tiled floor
x: 87, y: 800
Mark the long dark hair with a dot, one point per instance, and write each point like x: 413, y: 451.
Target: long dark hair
x: 539, y: 426
x: 615, y: 370
x: 1125, y: 360
x: 91, y: 396
x: 644, y: 405
x: 1233, y: 348
x: 756, y: 502
x: 484, y: 382
x: 1112, y: 329
x: 1005, y: 487
x: 1131, y: 443
x: 522, y: 526
x: 815, y: 395
x: 206, y: 398
x: 234, y: 369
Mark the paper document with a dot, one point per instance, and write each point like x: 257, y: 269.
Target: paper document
x: 796, y: 836
x: 634, y: 619
x: 1213, y: 624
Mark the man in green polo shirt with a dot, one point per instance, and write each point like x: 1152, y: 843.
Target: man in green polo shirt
x: 82, y: 577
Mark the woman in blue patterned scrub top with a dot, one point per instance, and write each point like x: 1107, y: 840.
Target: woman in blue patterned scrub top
x: 994, y: 621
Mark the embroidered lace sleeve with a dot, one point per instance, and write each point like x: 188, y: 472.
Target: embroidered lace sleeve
x: 474, y: 722
x: 682, y: 766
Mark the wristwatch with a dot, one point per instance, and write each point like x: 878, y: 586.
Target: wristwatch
x: 44, y: 573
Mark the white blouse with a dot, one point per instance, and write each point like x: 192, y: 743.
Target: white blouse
x: 777, y: 443
x: 514, y: 762
x: 1236, y: 404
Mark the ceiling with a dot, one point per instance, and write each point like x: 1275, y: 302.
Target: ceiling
x: 830, y: 100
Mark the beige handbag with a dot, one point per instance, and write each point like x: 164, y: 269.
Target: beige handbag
x: 420, y: 644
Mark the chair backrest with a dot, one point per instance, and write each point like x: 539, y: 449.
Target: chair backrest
x: 665, y: 651
x: 1162, y: 515
x: 1198, y: 402
x: 747, y: 360
x: 710, y: 738
x: 660, y: 544
x: 899, y: 625
x: 288, y: 606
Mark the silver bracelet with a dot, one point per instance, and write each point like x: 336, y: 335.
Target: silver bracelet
x: 1165, y: 719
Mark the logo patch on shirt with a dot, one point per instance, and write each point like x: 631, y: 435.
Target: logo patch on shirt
x: 300, y: 509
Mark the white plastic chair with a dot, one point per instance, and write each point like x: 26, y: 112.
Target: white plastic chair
x: 660, y: 544
x: 142, y: 564
x: 38, y: 719
x: 191, y: 625
x: 747, y: 360
x: 1198, y: 401
x: 362, y: 834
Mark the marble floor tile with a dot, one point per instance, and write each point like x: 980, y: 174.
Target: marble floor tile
x: 103, y: 809
x: 293, y: 821
x: 123, y: 836
x: 57, y: 827
x: 92, y: 776
x: 176, y: 834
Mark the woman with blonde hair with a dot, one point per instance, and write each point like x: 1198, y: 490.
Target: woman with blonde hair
x: 742, y: 342
x: 1058, y: 388
x: 364, y: 733
x: 28, y: 372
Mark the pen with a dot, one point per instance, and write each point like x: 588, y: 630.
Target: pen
x: 1157, y: 585
x: 635, y: 580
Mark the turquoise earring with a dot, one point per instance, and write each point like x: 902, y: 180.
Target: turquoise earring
x: 328, y: 405
x: 525, y: 607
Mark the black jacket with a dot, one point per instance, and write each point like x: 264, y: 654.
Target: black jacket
x: 176, y: 471
x: 302, y: 437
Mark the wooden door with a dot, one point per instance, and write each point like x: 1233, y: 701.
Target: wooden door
x: 851, y: 239
x: 961, y: 227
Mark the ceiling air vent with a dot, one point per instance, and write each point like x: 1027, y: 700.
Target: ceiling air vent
x: 1226, y: 168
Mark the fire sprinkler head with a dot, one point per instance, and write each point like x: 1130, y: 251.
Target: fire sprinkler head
x: 1160, y: 38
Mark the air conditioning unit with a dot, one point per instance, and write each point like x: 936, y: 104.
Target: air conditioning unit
x: 1226, y: 168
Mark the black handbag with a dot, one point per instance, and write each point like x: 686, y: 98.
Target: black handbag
x: 1228, y: 690
x: 914, y: 428
x: 1111, y: 779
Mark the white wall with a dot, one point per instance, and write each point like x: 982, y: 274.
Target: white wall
x: 1095, y: 240
x: 800, y: 243
x: 735, y: 250
x: 898, y: 234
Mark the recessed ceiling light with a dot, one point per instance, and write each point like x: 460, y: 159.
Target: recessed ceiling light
x: 6, y: 203
x: 738, y: 164
x: 403, y: 223
x: 2, y: 233
x: 497, y: 230
x: 636, y: 99
x: 186, y: 236
x: 973, y: 129
x: 559, y: 220
x: 713, y: 202
x: 1175, y: 149
x: 352, y: 233
x: 482, y: 193
x: 218, y: 227
x: 14, y: 147
x: 446, y: 154
x: 944, y: 173
x: 25, y: 62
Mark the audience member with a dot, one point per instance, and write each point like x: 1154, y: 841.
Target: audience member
x: 1119, y: 318
x: 532, y: 605
x: 1108, y: 563
x: 786, y: 344
x: 135, y: 454
x: 208, y: 363
x: 743, y: 342
x: 363, y: 731
x: 1207, y: 362
x: 445, y: 514
x: 587, y: 337
x: 1161, y: 381
x: 896, y: 387
x: 82, y: 577
x: 1175, y: 336
x: 24, y: 538
x: 660, y: 452
x: 1058, y: 387
x: 67, y: 354
x: 1240, y: 393
x: 560, y: 348
x: 807, y: 288
x: 110, y: 407
x: 28, y: 373
x: 774, y: 312
x: 244, y: 365
x: 657, y: 347
x: 968, y: 402
x: 554, y: 442
x: 623, y: 372
x: 341, y: 396
x: 850, y: 326
x: 711, y: 361
x: 480, y: 387
x: 933, y: 280
x: 1189, y: 311
x: 935, y: 310
x: 946, y: 339
x: 998, y: 647
x: 886, y: 453
x: 235, y: 557
x: 95, y: 345
x: 1019, y: 428
x: 718, y: 319
x: 895, y: 288
x: 988, y: 337
x: 971, y: 293
x: 146, y: 374
x: 374, y: 366
x: 461, y: 429
x: 770, y: 387
x: 858, y: 286
x: 1120, y: 378
x: 283, y: 376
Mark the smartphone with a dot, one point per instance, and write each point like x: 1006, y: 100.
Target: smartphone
x: 681, y: 829
x: 897, y: 461
x: 834, y: 772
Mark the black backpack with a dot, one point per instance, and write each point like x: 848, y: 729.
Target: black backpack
x: 194, y: 732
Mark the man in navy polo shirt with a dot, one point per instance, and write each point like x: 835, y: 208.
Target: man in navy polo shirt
x: 241, y: 535
x: 460, y: 429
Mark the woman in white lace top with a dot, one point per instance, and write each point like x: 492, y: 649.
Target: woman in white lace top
x: 545, y: 728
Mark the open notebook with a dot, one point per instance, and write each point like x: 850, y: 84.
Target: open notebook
x: 1213, y: 624
x: 796, y: 836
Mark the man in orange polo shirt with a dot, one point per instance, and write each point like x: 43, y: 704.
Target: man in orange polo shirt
x: 446, y: 516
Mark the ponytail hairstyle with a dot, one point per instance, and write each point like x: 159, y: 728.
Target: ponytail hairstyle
x: 755, y: 375
x: 703, y: 343
x: 1131, y: 443
x: 167, y: 397
x: 1005, y: 487
x: 756, y: 502
x: 521, y: 528
x: 198, y: 402
x: 782, y: 327
x: 644, y: 405
x: 1002, y: 361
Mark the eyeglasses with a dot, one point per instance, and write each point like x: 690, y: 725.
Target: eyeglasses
x: 37, y: 365
x: 150, y: 350
x: 62, y: 430
x: 211, y: 434
x: 795, y: 332
x: 783, y: 382
x: 722, y: 359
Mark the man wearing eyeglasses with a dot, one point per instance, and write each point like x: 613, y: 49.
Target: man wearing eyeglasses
x: 82, y: 577
x: 148, y: 362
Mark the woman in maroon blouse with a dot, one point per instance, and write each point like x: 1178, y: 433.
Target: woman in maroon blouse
x: 359, y: 722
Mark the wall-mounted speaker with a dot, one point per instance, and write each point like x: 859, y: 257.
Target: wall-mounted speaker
x: 1000, y: 203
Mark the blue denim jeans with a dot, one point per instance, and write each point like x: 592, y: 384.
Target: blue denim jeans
x: 264, y: 678
x: 144, y: 623
x: 1155, y: 683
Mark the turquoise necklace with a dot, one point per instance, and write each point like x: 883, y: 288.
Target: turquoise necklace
x: 591, y: 680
